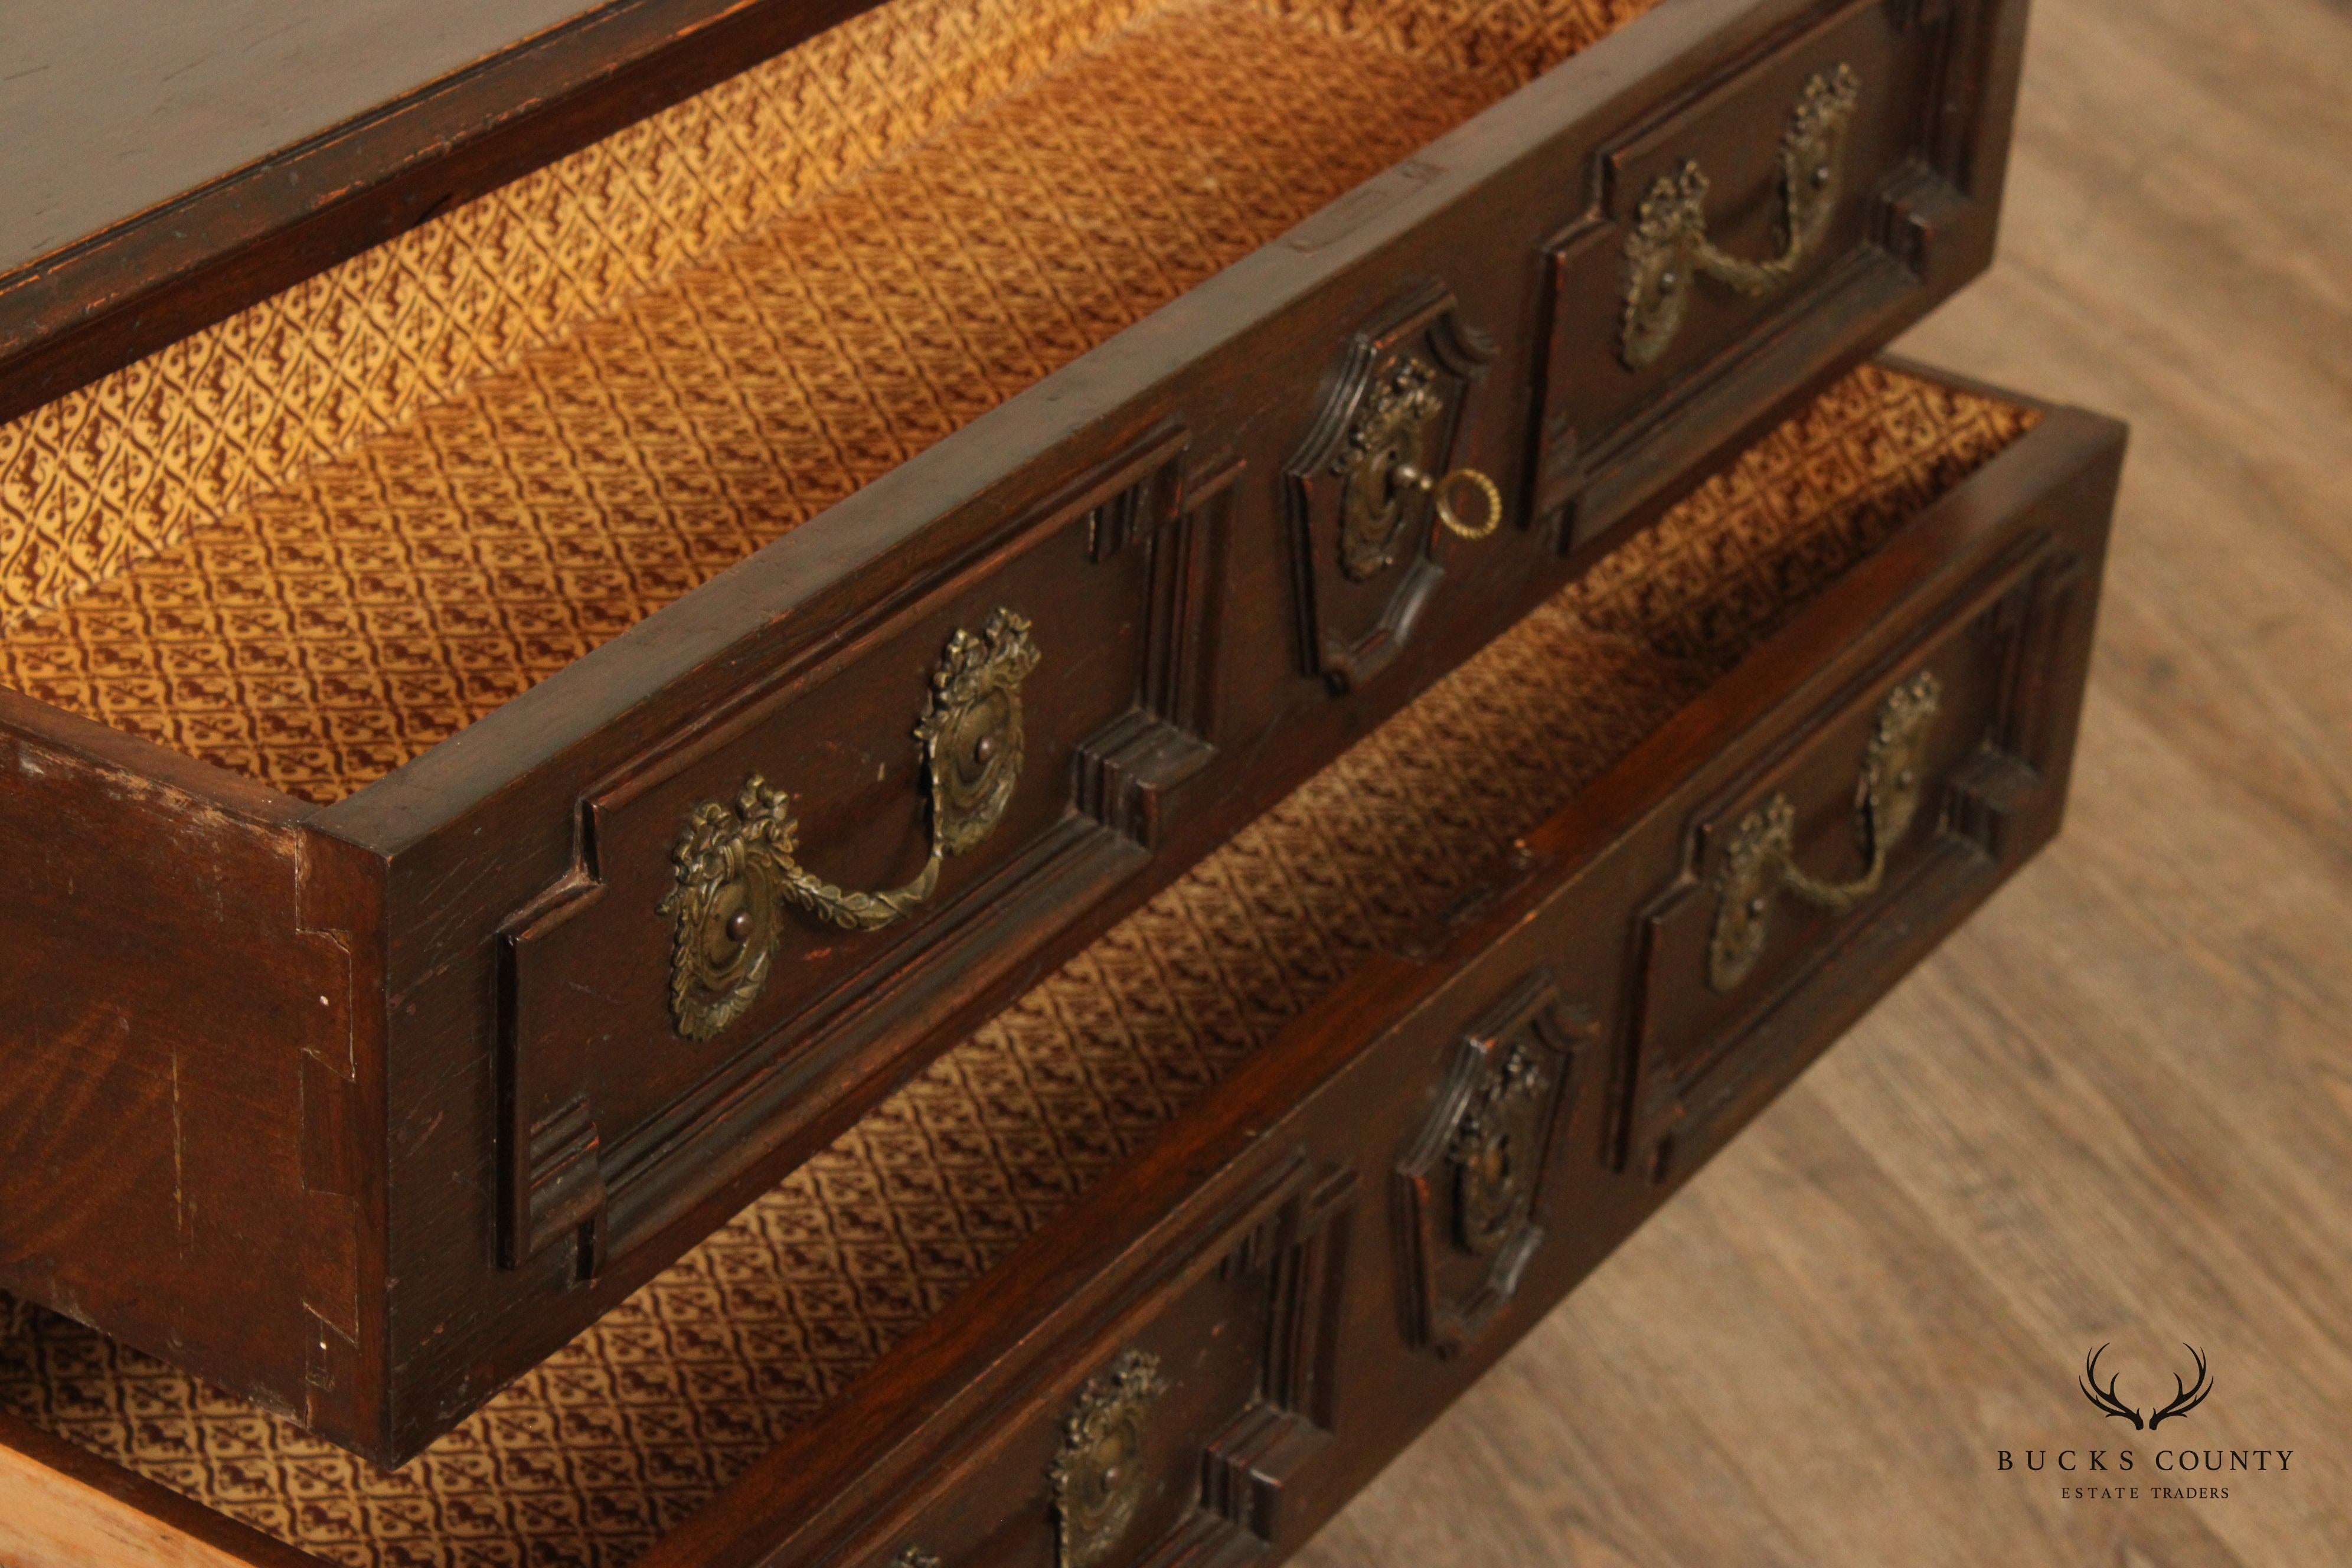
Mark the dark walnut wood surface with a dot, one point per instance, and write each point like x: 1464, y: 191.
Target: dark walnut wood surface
x: 1295, y: 1274
x: 427, y: 1177
x: 164, y: 165
x: 2115, y: 1107
x: 112, y: 108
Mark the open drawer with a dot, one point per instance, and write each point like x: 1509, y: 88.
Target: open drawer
x: 1174, y: 1254
x: 449, y: 882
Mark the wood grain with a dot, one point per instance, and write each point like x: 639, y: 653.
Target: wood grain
x: 2113, y: 1108
x: 63, y: 1508
x: 118, y: 107
x: 468, y: 861
x: 236, y: 147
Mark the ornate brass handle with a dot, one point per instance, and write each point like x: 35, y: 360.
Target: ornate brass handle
x: 1380, y: 463
x: 1759, y: 862
x: 738, y: 864
x: 1669, y: 249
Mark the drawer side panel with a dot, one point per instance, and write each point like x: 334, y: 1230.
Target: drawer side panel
x: 183, y: 1070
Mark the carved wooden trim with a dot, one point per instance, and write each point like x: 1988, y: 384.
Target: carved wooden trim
x: 1300, y: 1249
x: 1125, y: 773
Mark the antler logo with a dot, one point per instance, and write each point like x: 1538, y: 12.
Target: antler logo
x: 2186, y: 1397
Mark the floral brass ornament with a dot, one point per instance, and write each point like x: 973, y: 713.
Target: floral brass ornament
x: 1099, y: 1477
x: 1495, y: 1150
x: 1669, y: 250
x: 1759, y: 863
x: 1380, y: 464
x: 737, y: 862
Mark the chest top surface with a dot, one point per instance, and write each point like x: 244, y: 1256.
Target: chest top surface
x: 164, y: 165
x: 113, y: 107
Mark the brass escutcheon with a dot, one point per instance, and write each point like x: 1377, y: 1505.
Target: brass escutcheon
x: 737, y: 862
x: 1494, y: 1152
x: 1759, y: 862
x: 1669, y: 250
x: 1381, y: 465
x: 1099, y: 1477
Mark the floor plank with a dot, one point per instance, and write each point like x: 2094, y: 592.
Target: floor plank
x: 2118, y: 1106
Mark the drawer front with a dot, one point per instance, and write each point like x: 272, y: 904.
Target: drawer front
x: 1801, y: 191
x: 842, y: 836
x: 1168, y: 1434
x: 1869, y: 816
x: 1463, y: 1110
x: 937, y: 739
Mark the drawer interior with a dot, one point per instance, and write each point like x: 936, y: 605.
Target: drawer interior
x: 636, y: 1424
x: 966, y: 202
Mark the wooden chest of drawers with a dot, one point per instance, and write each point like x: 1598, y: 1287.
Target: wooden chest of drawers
x: 533, y: 733
x: 1167, y: 1260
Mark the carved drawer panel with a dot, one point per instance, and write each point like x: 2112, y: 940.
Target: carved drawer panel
x: 1172, y: 1434
x: 1812, y: 185
x: 1899, y: 799
x: 842, y: 838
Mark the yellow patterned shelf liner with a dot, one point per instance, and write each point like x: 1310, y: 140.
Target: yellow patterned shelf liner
x: 312, y: 540
x: 635, y: 1425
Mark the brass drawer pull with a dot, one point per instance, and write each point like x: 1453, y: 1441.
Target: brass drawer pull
x: 1669, y: 250
x: 1760, y: 863
x: 737, y: 864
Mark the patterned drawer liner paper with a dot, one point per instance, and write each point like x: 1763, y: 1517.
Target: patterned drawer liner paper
x: 310, y: 548
x: 639, y: 1421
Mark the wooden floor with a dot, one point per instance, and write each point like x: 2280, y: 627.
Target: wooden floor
x: 2119, y: 1106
